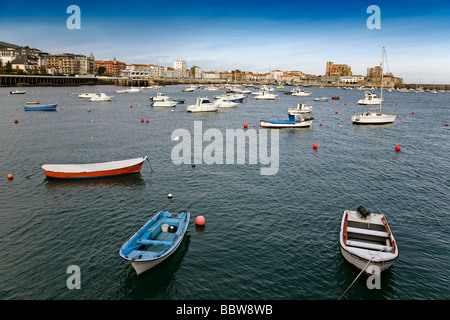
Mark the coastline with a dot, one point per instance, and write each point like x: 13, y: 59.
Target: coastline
x: 66, y: 81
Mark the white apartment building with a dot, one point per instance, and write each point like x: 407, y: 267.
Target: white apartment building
x: 180, y: 65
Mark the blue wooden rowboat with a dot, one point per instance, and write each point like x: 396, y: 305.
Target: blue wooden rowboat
x: 156, y: 240
x: 41, y: 107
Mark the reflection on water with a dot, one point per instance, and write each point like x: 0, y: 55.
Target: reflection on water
x: 134, y: 181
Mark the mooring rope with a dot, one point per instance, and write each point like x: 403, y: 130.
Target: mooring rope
x: 360, y: 273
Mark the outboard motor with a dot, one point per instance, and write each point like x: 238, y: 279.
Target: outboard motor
x: 363, y: 212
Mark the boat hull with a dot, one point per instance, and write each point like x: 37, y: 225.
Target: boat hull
x: 373, y: 118
x: 285, y: 124
x: 51, y: 171
x: 51, y: 107
x: 361, y: 263
x: 151, y: 244
x: 360, y: 241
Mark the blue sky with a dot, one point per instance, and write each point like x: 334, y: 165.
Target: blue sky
x: 249, y: 35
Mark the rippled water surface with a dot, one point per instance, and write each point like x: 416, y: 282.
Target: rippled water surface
x: 266, y: 237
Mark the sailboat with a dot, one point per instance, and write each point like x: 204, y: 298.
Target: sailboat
x: 371, y: 117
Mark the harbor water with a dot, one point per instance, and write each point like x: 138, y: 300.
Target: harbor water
x: 266, y: 237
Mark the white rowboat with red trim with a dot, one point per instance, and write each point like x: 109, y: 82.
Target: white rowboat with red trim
x: 366, y: 239
x: 93, y: 170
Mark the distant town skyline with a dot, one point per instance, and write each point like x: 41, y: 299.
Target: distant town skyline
x: 256, y: 36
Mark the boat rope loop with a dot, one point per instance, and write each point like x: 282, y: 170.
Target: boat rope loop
x: 360, y: 273
x: 149, y: 164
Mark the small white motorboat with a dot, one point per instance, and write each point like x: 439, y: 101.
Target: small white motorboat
x: 165, y: 102
x: 159, y: 97
x: 100, y: 97
x: 366, y: 239
x: 298, y: 92
x: 87, y: 95
x: 370, y: 98
x: 301, y: 108
x: 265, y: 95
x: 203, y: 105
x: 17, y: 92
x: 224, y: 103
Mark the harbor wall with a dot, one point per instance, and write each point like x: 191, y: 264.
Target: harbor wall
x: 7, y: 80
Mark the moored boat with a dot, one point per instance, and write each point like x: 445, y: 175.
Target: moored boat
x: 40, y: 107
x: 17, y: 92
x: 164, y: 102
x: 322, y: 99
x: 370, y: 98
x: 265, y: 95
x: 100, y: 97
x: 203, y: 105
x: 93, y: 170
x: 366, y: 239
x: 87, y: 95
x: 155, y: 241
x: 298, y: 118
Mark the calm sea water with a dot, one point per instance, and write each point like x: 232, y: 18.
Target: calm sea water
x: 266, y: 237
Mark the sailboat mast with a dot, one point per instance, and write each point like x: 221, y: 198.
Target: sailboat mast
x: 381, y: 95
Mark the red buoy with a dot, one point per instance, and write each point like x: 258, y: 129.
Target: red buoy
x: 413, y: 112
x: 345, y: 104
x: 10, y: 176
x: 131, y: 106
x: 315, y: 145
x: 246, y: 125
x: 336, y: 112
x: 398, y: 148
x: 320, y: 123
x: 446, y: 124
x: 200, y: 221
x: 16, y: 121
x: 146, y: 120
x: 142, y: 120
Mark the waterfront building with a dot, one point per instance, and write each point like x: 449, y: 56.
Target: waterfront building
x: 113, y: 67
x: 337, y: 70
x: 356, y: 80
x: 71, y: 64
x: 180, y: 65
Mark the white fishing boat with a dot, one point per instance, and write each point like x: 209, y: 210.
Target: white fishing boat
x: 159, y: 97
x: 370, y: 98
x: 225, y: 103
x: 299, y: 117
x: 100, y: 97
x: 134, y: 90
x: 366, y: 239
x: 17, y: 92
x: 298, y: 92
x: 203, y: 104
x: 165, y: 102
x: 87, y: 95
x: 375, y: 117
x: 265, y: 95
x: 190, y: 88
x: 301, y: 108
x: 321, y: 99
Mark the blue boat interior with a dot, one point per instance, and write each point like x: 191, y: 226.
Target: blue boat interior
x: 151, y: 241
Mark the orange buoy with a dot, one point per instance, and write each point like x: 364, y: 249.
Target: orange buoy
x: 398, y: 148
x: 131, y: 106
x: 315, y: 145
x: 200, y: 221
x: 10, y: 176
x: 146, y: 120
x: 246, y: 125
